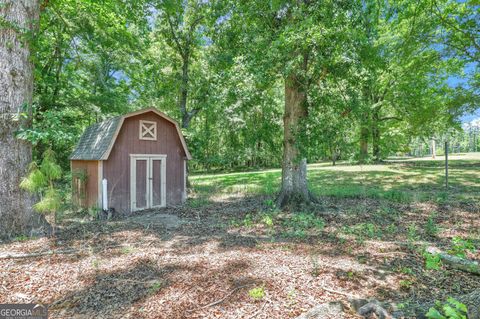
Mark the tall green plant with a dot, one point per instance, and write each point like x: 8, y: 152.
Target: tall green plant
x: 41, y: 181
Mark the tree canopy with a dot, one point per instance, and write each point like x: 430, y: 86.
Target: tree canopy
x: 373, y: 76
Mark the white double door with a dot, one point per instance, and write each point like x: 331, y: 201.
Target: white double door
x: 147, y: 181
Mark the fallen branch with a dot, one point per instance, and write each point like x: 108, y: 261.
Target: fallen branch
x: 346, y: 294
x: 52, y: 252
x: 221, y: 300
x: 467, y: 265
x: 40, y: 254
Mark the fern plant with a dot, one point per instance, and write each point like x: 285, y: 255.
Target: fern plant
x: 41, y: 180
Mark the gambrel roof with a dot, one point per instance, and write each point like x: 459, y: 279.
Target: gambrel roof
x: 98, y: 139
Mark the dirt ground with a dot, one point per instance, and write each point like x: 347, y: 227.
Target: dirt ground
x: 202, y: 262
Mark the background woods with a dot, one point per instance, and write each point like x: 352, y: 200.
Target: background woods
x: 371, y: 76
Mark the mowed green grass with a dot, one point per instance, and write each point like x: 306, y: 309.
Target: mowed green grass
x: 400, y: 180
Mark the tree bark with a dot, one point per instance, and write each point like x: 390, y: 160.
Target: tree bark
x: 184, y: 92
x: 434, y: 149
x: 364, y: 136
x: 376, y: 137
x: 20, y: 18
x: 294, y: 167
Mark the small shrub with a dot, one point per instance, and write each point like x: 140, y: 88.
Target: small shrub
x: 406, y: 283
x: 248, y: 221
x: 42, y: 180
x: 431, y: 227
x: 315, y: 267
x: 154, y: 288
x: 392, y: 229
x: 95, y: 263
x: 405, y: 270
x: 459, y: 247
x: 270, y: 204
x: 452, y: 309
x: 21, y: 238
x: 257, y: 293
x: 432, y: 261
x: 412, y: 233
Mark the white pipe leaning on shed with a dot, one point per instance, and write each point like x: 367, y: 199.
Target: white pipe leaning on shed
x: 104, y: 195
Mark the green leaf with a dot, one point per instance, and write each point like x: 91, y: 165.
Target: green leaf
x: 434, y: 314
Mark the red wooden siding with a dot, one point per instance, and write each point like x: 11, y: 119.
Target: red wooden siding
x: 117, y: 168
x: 85, y: 191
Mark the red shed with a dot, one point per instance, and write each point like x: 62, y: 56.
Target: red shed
x: 141, y: 155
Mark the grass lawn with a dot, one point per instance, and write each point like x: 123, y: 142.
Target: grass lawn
x: 228, y: 253
x: 402, y: 181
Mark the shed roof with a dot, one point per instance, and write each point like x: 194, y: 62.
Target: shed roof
x: 98, y: 139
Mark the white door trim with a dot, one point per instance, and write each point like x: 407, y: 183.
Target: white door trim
x: 149, y: 180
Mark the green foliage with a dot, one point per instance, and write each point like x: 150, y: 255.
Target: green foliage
x: 248, y: 220
x: 154, y: 288
x: 451, y: 309
x: 367, y: 67
x: 412, y: 233
x: 297, y: 224
x: 51, y: 202
x: 257, y: 293
x: 35, y: 181
x: 432, y: 261
x: 364, y: 230
x: 267, y: 220
x: 406, y: 283
x: 41, y: 180
x: 460, y: 246
x: 21, y: 238
x: 431, y: 227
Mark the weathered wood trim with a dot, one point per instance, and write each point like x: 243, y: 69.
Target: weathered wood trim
x: 161, y: 114
x: 163, y: 184
x: 133, y: 187
x: 184, y: 193
x: 163, y: 181
x: 161, y: 156
x: 153, y: 130
x: 149, y: 158
x: 100, y: 177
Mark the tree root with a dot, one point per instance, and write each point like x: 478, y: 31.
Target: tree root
x: 296, y: 201
x: 375, y: 308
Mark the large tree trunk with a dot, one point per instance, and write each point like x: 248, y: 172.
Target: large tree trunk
x: 294, y: 166
x: 364, y: 136
x: 184, y: 93
x: 16, y: 88
x: 376, y: 137
x: 434, y: 149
